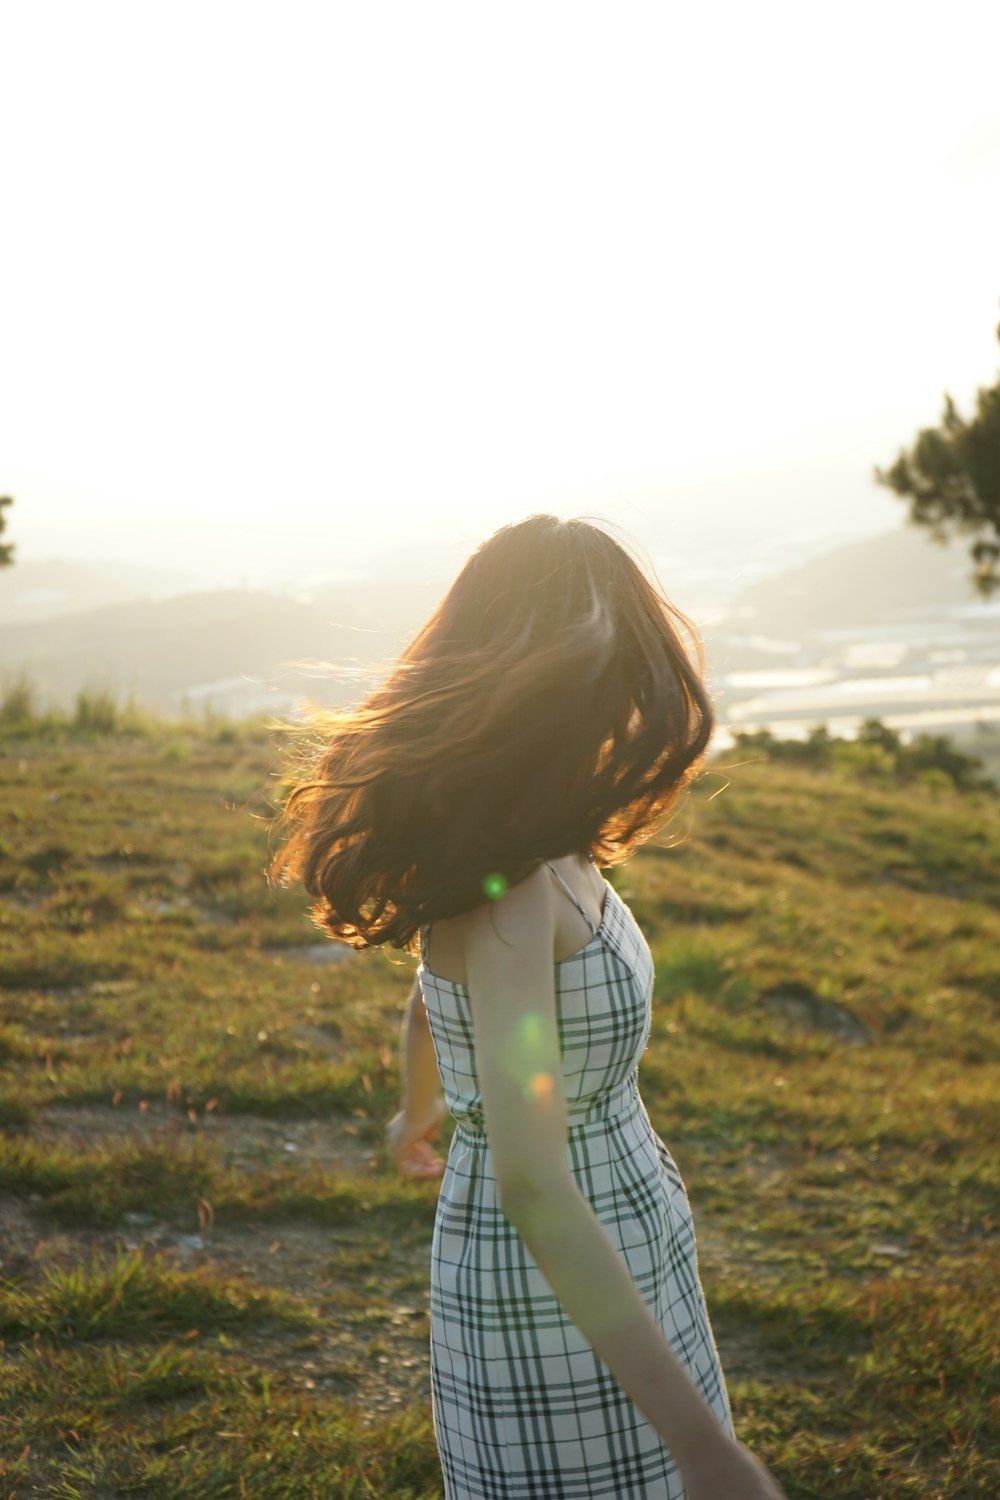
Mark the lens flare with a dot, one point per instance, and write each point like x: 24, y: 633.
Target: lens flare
x: 540, y: 1087
x: 494, y: 886
x: 531, y: 1032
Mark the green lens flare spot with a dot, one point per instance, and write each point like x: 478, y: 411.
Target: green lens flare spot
x: 531, y: 1032
x: 494, y: 886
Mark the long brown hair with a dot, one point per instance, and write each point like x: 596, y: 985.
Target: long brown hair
x: 548, y: 706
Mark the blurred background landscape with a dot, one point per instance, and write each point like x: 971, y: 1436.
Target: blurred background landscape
x: 814, y: 629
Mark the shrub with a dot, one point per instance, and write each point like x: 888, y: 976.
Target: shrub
x: 936, y: 753
x: 18, y: 704
x: 868, y: 759
x: 96, y: 712
x: 936, y: 781
x: 879, y: 754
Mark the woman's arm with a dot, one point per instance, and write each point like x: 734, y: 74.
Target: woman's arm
x: 512, y: 990
x: 422, y: 1105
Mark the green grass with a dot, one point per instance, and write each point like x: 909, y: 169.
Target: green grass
x: 824, y: 1064
x: 135, y: 1297
x: 95, y: 1188
x: 193, y: 1423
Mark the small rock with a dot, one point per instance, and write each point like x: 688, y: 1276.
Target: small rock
x: 325, y: 1038
x: 186, y: 1243
x: 310, y: 953
x: 892, y: 1251
x: 803, y: 1010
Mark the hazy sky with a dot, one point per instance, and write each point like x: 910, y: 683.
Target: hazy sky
x: 283, y: 281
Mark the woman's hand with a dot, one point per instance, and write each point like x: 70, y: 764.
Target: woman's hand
x: 408, y: 1142
x: 728, y: 1471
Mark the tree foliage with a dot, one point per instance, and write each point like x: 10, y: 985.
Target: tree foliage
x: 6, y: 548
x: 877, y: 752
x: 951, y: 477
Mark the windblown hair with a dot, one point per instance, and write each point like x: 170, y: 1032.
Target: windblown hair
x: 549, y: 706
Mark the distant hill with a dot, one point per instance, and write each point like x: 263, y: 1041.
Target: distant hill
x: 898, y: 575
x: 235, y: 649
x: 37, y: 590
x: 42, y: 588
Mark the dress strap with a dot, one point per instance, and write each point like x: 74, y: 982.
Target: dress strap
x: 583, y: 912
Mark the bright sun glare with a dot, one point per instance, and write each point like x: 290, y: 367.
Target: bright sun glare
x: 417, y: 269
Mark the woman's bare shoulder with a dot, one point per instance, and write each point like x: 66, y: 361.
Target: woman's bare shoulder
x: 521, y: 918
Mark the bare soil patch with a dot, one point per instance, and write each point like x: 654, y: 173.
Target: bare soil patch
x: 246, y: 1140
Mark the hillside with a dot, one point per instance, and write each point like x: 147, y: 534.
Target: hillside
x: 211, y: 1277
x: 40, y: 588
x: 236, y: 649
x: 898, y: 575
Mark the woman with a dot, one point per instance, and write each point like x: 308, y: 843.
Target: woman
x: 543, y: 722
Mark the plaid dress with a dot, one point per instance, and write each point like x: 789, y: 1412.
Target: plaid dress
x: 523, y: 1407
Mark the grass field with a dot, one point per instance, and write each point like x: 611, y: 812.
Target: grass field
x: 212, y: 1283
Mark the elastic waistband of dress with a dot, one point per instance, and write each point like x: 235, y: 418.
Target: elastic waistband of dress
x: 619, y: 1101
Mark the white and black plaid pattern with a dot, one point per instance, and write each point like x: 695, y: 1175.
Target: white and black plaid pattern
x: 523, y: 1407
